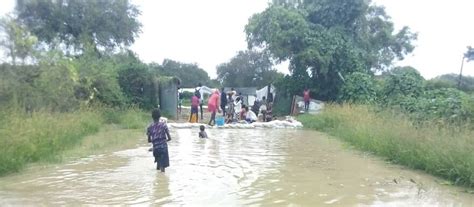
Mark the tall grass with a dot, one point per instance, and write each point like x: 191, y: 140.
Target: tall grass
x: 132, y: 118
x: 42, y: 136
x: 446, y: 151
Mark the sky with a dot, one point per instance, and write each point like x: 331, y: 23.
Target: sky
x: 211, y: 32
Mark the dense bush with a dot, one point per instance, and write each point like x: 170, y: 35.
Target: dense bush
x: 359, y: 88
x: 42, y: 135
x: 400, y: 83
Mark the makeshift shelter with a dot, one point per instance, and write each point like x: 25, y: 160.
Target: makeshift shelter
x: 168, y: 92
x: 297, y: 106
x: 267, y: 92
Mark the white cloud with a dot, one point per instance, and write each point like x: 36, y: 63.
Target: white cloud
x: 210, y: 32
x: 444, y: 31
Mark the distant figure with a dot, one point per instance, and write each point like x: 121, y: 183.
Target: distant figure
x: 256, y: 106
x: 269, y: 113
x: 270, y: 98
x: 202, y: 133
x: 306, y: 99
x: 223, y: 102
x: 180, y: 100
x: 213, y: 106
x: 237, y: 107
x: 199, y: 95
x: 233, y: 94
x: 263, y: 109
x: 250, y: 116
x: 158, y: 134
x: 242, y: 112
x: 193, y: 118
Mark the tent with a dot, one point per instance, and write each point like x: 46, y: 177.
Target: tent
x: 263, y: 92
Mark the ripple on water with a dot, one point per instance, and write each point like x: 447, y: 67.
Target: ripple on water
x: 231, y: 168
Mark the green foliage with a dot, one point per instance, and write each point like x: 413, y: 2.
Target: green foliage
x: 402, y: 82
x: 17, y: 41
x: 446, y: 105
x: 451, y: 81
x: 98, y: 78
x: 247, y: 69
x: 325, y: 40
x: 282, y: 106
x: 186, y: 95
x: 104, y: 24
x: 359, y: 88
x: 133, y: 78
x: 445, y: 151
x: 131, y: 118
x: 190, y: 75
x: 43, y: 136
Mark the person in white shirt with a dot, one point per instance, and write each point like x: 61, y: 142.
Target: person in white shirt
x: 250, y: 116
x: 234, y: 94
x: 237, y: 108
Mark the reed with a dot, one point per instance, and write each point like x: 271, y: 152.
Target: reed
x: 42, y: 136
x: 440, y: 149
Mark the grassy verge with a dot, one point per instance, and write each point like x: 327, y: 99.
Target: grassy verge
x: 43, y: 136
x: 445, y: 151
x: 110, y: 138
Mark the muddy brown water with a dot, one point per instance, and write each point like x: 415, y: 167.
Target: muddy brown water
x: 262, y: 167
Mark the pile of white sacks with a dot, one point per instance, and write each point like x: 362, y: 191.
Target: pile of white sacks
x: 289, y: 123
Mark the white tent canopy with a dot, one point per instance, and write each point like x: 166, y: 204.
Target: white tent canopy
x: 263, y: 92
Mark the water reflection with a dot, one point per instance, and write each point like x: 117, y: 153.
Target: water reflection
x: 232, y: 168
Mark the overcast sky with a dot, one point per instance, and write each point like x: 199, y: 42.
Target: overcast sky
x: 210, y: 32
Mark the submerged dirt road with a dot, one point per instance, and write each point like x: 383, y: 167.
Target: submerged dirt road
x: 233, y: 168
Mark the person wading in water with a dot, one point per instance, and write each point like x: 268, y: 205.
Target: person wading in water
x: 159, y: 135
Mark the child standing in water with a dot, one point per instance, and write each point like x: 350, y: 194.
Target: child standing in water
x: 202, y: 133
x: 159, y: 135
x: 193, y: 118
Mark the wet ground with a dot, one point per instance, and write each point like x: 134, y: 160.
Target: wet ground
x: 233, y: 167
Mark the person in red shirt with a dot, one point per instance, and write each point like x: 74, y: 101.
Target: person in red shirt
x: 213, y: 106
x: 306, y: 99
x: 194, y: 109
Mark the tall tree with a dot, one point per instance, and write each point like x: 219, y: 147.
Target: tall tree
x: 325, y: 40
x: 189, y: 74
x: 16, y: 40
x: 106, y: 24
x: 247, y: 69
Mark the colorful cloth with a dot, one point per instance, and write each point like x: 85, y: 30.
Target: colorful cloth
x: 157, y: 133
x: 306, y: 95
x: 195, y: 101
x: 212, y: 103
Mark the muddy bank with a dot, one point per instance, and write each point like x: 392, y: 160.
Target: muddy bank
x: 233, y: 167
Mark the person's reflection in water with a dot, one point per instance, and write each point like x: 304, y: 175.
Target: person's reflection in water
x: 161, y: 191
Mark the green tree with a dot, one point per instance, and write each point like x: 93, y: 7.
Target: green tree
x: 247, y: 69
x: 106, y: 24
x: 451, y: 81
x: 17, y: 41
x: 402, y: 82
x: 137, y: 81
x: 189, y: 74
x: 359, y: 88
x: 98, y: 78
x: 325, y: 40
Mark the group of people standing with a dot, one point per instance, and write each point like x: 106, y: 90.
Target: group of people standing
x: 231, y: 105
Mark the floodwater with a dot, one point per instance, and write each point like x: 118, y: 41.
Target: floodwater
x: 260, y: 167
